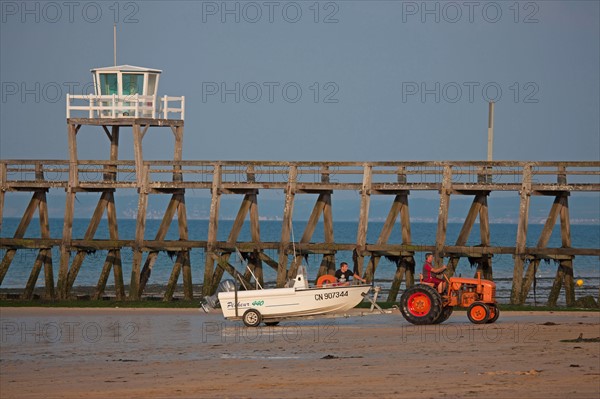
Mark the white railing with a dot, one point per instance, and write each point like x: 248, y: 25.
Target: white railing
x: 165, y: 109
x: 131, y: 106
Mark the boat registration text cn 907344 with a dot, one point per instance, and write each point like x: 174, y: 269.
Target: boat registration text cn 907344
x: 330, y: 295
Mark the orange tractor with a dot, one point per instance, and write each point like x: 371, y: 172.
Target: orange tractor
x: 423, y: 304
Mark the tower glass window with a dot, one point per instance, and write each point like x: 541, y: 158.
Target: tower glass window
x: 133, y: 83
x: 108, y: 84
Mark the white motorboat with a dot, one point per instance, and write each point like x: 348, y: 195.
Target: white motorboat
x: 297, y: 299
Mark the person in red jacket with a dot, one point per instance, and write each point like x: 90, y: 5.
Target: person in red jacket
x: 429, y: 273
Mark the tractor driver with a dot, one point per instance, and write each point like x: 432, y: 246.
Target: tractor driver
x: 429, y: 273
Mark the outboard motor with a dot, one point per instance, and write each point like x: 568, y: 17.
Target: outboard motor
x: 212, y: 302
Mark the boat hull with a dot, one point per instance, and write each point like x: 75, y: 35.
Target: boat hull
x: 280, y: 303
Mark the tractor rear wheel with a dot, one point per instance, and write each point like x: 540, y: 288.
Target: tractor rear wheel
x: 445, y: 315
x: 478, y: 313
x: 421, y: 304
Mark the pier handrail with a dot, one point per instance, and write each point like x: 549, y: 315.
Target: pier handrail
x: 130, y: 106
x: 386, y: 176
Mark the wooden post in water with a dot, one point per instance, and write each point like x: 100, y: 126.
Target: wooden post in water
x: 44, y: 257
x: 113, y: 258
x: 328, y: 265
x: 363, y: 219
x: 542, y: 243
x: 564, y: 273
x: 442, y: 225
x: 485, y: 262
x: 213, y: 225
x: 286, y: 226
x: 519, y: 257
x: 160, y: 236
x: 19, y: 233
x: 182, y: 261
x: 140, y: 231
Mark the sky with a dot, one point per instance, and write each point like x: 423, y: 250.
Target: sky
x: 315, y: 80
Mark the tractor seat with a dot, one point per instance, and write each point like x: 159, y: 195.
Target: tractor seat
x: 425, y: 283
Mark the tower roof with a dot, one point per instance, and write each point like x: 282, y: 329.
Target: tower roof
x: 125, y: 68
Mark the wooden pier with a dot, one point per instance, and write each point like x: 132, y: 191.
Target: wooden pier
x: 126, y: 99
x: 248, y: 179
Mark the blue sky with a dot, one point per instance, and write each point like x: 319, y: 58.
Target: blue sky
x: 350, y: 80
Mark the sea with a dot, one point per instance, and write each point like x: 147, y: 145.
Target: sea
x: 586, y: 268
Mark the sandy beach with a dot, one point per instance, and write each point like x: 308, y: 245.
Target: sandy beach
x: 152, y: 353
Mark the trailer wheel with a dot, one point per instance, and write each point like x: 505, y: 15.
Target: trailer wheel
x: 494, y: 313
x: 421, y: 304
x: 445, y: 315
x: 252, y: 318
x: 478, y: 313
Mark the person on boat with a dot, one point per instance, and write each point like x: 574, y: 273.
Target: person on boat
x: 429, y: 273
x: 343, y: 275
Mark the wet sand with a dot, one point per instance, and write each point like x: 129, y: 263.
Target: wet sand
x: 160, y: 353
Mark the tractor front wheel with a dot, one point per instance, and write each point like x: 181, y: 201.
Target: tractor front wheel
x: 478, y: 313
x: 421, y: 304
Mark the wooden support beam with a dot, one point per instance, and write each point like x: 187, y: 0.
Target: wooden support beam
x: 269, y: 261
x: 174, y: 277
x: 89, y: 234
x: 188, y: 291
x: 160, y: 235
x: 255, y: 262
x: 232, y: 239
x: 405, y: 266
x: 72, y: 130
x: 485, y: 262
x: 384, y: 236
x: 565, y: 233
x: 327, y: 265
x: 442, y: 225
x: 138, y: 153
x: 109, y: 262
x: 113, y: 258
x: 177, y: 156
x: 465, y: 232
x: 111, y: 170
x: 288, y: 211
x: 519, y: 257
x: 226, y: 266
x: 140, y: 229
x: 44, y: 255
x: 183, y: 256
x: 65, y: 253
x: 19, y: 233
x: 363, y: 219
x: 308, y: 232
x: 213, y: 225
x: 564, y: 274
x: 113, y: 231
x: 542, y: 243
x: 405, y: 269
